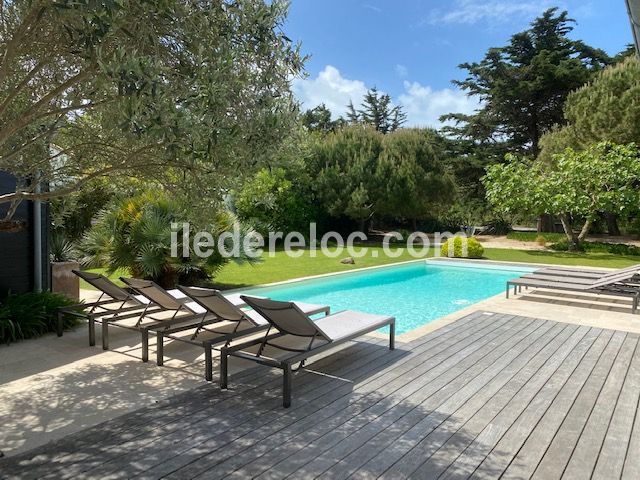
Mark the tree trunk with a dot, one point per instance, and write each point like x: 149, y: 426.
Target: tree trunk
x: 414, y: 223
x: 612, y: 224
x: 585, y: 229
x: 574, y: 240
x: 545, y: 223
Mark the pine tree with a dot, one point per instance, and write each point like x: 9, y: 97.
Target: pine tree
x: 378, y: 111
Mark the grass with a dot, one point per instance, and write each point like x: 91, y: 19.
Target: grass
x: 280, y: 267
x: 531, y: 236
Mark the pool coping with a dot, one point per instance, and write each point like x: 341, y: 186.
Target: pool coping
x: 439, y: 322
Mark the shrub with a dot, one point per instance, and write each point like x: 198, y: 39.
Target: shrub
x: 61, y: 249
x: 474, y: 248
x: 135, y: 234
x: 599, y: 247
x: 32, y: 314
x: 541, y: 240
x: 564, y: 246
x: 497, y: 226
x: 274, y: 202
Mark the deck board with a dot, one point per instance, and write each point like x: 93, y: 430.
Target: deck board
x: 485, y: 396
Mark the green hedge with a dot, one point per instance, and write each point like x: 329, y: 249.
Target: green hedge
x: 599, y: 247
x: 474, y: 248
x: 29, y: 315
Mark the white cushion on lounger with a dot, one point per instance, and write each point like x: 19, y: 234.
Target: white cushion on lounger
x: 349, y: 322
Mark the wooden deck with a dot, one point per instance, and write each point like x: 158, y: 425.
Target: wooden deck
x: 487, y: 396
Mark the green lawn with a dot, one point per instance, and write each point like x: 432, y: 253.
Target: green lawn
x: 532, y: 236
x: 281, y: 267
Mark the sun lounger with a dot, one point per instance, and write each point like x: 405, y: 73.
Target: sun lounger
x: 113, y: 304
x: 287, y: 320
x: 585, y: 273
x: 231, y: 322
x: 621, y: 285
x: 174, y: 310
x: 613, y: 277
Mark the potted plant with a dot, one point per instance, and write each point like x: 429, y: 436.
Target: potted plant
x: 63, y: 262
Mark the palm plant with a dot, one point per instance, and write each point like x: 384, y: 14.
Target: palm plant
x: 136, y: 235
x: 61, y: 249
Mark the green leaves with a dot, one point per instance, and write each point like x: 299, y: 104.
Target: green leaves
x: 277, y: 201
x: 135, y: 235
x: 524, y: 84
x: 603, y: 178
x: 401, y: 175
x: 32, y: 314
x: 183, y: 93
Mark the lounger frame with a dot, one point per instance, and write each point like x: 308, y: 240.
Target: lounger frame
x: 118, y: 298
x: 617, y: 289
x: 299, y: 356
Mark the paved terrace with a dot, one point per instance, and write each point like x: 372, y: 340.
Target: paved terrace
x: 486, y: 395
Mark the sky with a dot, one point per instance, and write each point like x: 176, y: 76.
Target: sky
x: 411, y: 49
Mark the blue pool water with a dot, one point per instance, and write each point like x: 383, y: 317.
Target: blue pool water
x: 415, y: 293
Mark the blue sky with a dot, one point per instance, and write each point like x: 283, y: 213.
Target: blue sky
x: 411, y: 48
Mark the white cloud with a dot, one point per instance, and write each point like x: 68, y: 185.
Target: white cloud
x: 424, y: 106
x: 401, y: 71
x: 471, y: 12
x: 330, y: 88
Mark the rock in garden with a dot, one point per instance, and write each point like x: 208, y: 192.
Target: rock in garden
x: 348, y: 261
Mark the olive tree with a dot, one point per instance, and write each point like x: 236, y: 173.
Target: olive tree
x: 604, y: 177
x: 184, y: 92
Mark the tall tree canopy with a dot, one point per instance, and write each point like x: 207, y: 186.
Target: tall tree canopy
x: 377, y: 110
x: 346, y: 163
x: 318, y: 119
x: 414, y: 181
x: 607, y: 108
x: 524, y: 84
x: 602, y: 178
x: 182, y: 91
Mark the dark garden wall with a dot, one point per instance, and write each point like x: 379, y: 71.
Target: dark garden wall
x: 16, y: 248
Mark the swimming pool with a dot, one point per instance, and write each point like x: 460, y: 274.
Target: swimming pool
x: 416, y: 293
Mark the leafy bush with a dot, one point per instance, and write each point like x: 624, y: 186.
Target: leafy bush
x: 275, y: 203
x: 136, y: 235
x: 497, y: 226
x: 474, y: 248
x: 61, y: 249
x: 599, y: 247
x: 32, y: 314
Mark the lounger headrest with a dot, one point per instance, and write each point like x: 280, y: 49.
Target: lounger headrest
x: 285, y: 316
x: 214, y: 302
x: 153, y: 292
x: 103, y: 284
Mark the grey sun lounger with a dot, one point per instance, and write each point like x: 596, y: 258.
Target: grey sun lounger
x: 287, y: 320
x: 182, y: 309
x: 230, y: 322
x: 113, y: 304
x: 621, y: 285
x: 585, y: 273
x: 629, y: 276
